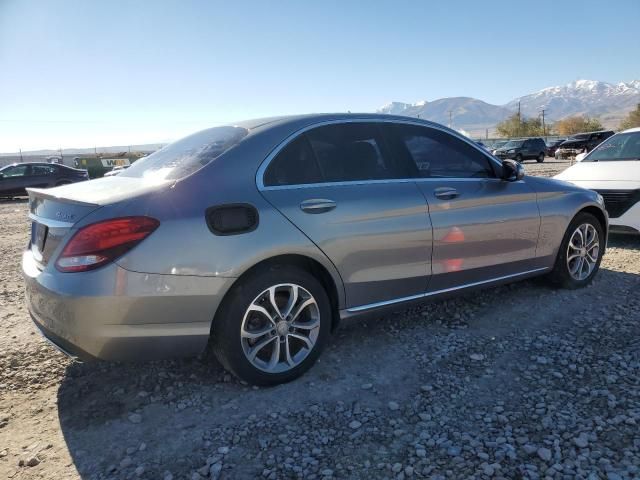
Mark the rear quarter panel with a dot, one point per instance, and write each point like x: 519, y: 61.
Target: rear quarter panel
x: 184, y: 245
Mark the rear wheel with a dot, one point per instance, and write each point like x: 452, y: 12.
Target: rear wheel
x: 540, y: 158
x: 580, y: 253
x: 519, y: 158
x: 62, y: 182
x: 272, y: 326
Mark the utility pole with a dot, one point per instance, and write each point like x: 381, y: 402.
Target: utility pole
x: 21, y: 155
x: 450, y: 122
x: 544, y: 131
x: 519, y: 122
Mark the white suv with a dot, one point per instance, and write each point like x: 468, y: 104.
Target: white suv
x: 613, y: 170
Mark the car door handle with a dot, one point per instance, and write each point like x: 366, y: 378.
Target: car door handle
x: 317, y: 205
x: 446, y: 193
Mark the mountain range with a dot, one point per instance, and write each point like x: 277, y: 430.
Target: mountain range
x: 606, y: 101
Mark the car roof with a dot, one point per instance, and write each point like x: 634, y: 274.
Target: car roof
x: 311, y: 118
x: 631, y: 130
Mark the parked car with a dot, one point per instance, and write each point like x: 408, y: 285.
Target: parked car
x: 290, y: 225
x: 498, y: 144
x: 552, y: 146
x: 581, y: 143
x: 613, y: 170
x: 17, y: 177
x: 524, y: 149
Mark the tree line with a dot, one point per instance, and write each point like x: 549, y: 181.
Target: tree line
x: 519, y: 126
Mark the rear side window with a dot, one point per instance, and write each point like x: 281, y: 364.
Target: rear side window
x: 43, y: 170
x: 184, y: 157
x: 294, y: 165
x: 437, y: 154
x: 352, y: 152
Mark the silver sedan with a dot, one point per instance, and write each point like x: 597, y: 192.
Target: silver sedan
x: 255, y: 239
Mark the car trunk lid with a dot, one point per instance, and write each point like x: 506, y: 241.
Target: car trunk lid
x: 55, y: 211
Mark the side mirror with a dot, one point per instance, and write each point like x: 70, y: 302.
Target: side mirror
x: 512, y: 171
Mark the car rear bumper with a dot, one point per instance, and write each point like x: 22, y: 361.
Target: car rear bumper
x: 114, y: 314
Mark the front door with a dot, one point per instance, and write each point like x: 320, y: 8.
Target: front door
x: 338, y: 184
x: 15, y: 179
x: 484, y: 228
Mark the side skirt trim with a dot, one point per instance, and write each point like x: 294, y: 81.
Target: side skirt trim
x: 371, y: 306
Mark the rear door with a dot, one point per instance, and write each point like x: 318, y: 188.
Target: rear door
x: 42, y: 176
x: 483, y: 227
x: 338, y: 184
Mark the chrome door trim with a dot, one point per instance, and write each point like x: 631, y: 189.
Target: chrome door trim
x: 437, y: 292
x: 373, y: 182
x: 265, y: 163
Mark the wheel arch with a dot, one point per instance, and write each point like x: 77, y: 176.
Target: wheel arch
x: 310, y: 265
x: 599, y: 214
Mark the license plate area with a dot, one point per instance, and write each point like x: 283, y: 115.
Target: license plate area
x: 38, y: 237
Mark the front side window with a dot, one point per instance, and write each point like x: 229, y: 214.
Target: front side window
x: 186, y: 156
x: 17, y: 171
x: 437, y: 154
x: 624, y: 146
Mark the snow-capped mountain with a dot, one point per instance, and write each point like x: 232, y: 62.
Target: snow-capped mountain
x: 464, y: 112
x: 607, y: 101
x: 588, y: 97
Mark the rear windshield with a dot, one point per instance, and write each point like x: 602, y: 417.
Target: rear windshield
x: 183, y: 157
x: 624, y: 146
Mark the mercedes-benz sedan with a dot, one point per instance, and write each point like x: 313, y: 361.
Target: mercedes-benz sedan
x: 257, y: 238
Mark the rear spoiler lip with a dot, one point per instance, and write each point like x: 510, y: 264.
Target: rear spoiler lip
x: 41, y: 192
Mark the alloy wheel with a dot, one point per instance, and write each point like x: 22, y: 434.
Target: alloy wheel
x: 280, y: 328
x: 583, y: 251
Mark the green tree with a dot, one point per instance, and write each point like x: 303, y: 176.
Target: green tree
x: 632, y: 120
x: 517, y: 126
x: 577, y: 124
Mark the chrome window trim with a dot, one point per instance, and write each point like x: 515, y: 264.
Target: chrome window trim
x: 267, y: 161
x: 370, y: 306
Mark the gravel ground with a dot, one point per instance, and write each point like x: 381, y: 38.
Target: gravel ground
x: 520, y: 381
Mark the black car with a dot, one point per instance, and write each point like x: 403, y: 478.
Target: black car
x: 581, y: 143
x: 15, y: 178
x: 524, y: 149
x: 552, y: 146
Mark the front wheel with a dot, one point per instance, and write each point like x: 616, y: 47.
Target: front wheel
x: 518, y: 158
x: 580, y: 253
x: 273, y: 325
x: 540, y: 158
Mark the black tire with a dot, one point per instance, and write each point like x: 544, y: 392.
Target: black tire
x: 62, y: 182
x: 518, y: 158
x: 560, y: 276
x: 540, y: 158
x: 226, y: 338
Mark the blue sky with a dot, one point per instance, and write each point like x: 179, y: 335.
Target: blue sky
x: 85, y: 73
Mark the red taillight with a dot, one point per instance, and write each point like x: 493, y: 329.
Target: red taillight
x: 100, y: 243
